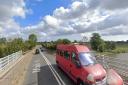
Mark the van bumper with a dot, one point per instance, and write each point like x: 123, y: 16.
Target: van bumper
x: 103, y: 82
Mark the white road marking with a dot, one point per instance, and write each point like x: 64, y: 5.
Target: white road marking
x: 36, y: 67
x: 56, y: 75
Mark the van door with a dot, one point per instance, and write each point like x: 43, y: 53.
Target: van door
x: 66, y: 61
x: 74, y: 69
x: 60, y: 57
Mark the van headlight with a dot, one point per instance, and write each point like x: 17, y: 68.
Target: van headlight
x: 90, y: 78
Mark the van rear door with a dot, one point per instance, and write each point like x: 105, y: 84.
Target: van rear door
x: 74, y: 70
x: 59, y: 57
x: 66, y: 61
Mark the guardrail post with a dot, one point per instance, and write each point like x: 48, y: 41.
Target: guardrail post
x: 21, y: 53
x: 8, y: 59
x: 14, y: 57
x: 0, y: 64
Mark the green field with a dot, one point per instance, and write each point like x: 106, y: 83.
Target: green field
x: 120, y: 48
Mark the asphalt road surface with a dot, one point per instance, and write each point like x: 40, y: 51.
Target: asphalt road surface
x: 43, y: 71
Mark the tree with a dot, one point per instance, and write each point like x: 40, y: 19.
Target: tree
x: 101, y: 47
x: 2, y: 51
x: 110, y: 45
x: 75, y: 41
x: 17, y: 44
x: 97, y: 43
x: 32, y: 40
x: 59, y: 41
x: 127, y: 41
x: 66, y: 41
x: 63, y: 41
x: 113, y: 46
x: 3, y: 40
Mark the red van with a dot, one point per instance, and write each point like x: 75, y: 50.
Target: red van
x: 80, y: 65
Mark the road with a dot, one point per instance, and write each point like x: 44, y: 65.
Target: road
x: 40, y: 73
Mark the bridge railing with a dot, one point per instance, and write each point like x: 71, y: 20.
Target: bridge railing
x: 10, y: 59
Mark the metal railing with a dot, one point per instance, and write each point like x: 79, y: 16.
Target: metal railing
x: 10, y: 59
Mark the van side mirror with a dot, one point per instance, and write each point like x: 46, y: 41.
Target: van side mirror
x: 78, y: 65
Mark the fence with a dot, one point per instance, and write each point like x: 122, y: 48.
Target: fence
x: 8, y: 60
x: 13, y: 68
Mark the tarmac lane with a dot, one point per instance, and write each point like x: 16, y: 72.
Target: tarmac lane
x: 43, y: 71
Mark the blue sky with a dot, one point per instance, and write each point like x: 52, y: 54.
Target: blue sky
x: 39, y: 9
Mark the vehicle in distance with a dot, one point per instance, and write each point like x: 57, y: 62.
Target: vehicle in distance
x: 81, y: 66
x: 37, y: 51
x: 41, y: 48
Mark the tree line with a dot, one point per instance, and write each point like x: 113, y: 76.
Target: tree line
x: 8, y: 47
x: 52, y: 44
x: 96, y: 43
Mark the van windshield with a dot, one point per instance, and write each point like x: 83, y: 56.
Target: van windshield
x: 87, y: 58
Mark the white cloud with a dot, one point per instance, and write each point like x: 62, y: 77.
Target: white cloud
x: 9, y: 26
x: 114, y: 4
x: 51, y: 21
x: 76, y: 10
x: 9, y: 9
x: 19, y: 11
x: 117, y: 30
x: 1, y: 29
x: 107, y: 4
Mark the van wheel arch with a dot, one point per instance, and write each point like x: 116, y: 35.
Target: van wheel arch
x: 79, y: 82
x: 57, y: 64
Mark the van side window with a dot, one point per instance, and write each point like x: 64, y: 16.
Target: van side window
x: 61, y: 53
x: 66, y: 54
x: 73, y: 57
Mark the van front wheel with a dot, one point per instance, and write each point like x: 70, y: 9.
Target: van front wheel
x: 80, y: 83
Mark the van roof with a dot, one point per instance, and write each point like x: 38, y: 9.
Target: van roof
x: 78, y: 48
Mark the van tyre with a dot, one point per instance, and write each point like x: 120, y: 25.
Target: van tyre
x: 80, y: 83
x: 57, y: 64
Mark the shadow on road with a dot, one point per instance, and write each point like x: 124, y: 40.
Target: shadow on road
x: 45, y: 76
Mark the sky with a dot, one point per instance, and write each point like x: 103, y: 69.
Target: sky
x: 72, y: 19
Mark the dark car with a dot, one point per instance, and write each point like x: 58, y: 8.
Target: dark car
x: 42, y: 49
x: 37, y: 51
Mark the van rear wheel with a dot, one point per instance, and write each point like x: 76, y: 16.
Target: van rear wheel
x: 57, y: 64
x: 81, y: 83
